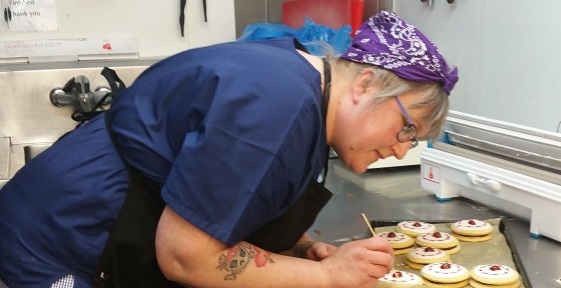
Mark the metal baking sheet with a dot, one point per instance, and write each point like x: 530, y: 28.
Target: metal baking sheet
x: 495, y: 251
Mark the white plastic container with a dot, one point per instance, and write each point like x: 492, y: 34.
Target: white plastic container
x: 448, y: 175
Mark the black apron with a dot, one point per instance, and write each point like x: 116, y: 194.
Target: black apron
x: 129, y: 256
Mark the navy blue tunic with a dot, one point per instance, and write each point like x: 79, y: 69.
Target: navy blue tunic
x: 233, y: 133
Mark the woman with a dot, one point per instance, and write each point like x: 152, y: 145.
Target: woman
x: 203, y: 173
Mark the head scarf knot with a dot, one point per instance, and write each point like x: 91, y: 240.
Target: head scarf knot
x: 388, y: 41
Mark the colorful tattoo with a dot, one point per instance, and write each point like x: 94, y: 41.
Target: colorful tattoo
x: 239, y: 257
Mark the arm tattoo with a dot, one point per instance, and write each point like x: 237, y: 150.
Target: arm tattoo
x: 301, y: 250
x: 239, y: 257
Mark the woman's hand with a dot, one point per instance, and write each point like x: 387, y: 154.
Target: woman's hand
x: 318, y: 251
x: 359, y: 263
x: 189, y: 256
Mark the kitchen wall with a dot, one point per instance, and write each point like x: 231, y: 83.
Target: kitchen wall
x: 504, y: 49
x: 28, y: 119
x: 256, y: 11
x: 29, y: 122
x: 507, y: 55
x: 154, y: 23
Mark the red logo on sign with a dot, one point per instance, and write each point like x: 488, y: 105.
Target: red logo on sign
x: 431, y: 173
x: 106, y: 46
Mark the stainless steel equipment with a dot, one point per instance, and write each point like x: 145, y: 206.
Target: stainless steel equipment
x: 504, y: 165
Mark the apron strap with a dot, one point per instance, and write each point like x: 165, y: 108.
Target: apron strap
x: 325, y: 104
x: 117, y: 86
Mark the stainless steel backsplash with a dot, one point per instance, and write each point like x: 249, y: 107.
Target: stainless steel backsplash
x: 28, y: 119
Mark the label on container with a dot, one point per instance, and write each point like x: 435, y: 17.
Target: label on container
x: 431, y: 172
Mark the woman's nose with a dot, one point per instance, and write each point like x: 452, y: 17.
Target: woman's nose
x: 400, y: 149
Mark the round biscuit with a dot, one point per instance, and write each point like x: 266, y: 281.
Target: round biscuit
x: 414, y: 228
x: 471, y: 227
x: 399, y: 279
x: 402, y: 251
x: 397, y: 240
x: 475, y: 284
x: 446, y: 285
x: 453, y: 250
x: 444, y: 272
x: 494, y: 274
x: 436, y: 239
x: 414, y: 265
x: 465, y: 238
x: 426, y: 255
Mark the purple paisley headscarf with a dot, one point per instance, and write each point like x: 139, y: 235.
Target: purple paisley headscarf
x: 388, y: 41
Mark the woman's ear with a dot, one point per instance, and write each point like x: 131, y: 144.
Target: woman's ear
x: 363, y: 84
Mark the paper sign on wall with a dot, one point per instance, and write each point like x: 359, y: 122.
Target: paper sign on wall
x: 29, y: 15
x: 68, y: 49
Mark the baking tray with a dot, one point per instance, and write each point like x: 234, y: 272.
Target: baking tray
x: 503, y: 228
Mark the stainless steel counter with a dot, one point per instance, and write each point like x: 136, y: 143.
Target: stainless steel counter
x: 396, y: 194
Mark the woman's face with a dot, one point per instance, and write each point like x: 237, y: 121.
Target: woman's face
x: 362, y: 133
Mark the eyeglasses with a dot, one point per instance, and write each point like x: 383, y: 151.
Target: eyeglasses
x: 409, y: 132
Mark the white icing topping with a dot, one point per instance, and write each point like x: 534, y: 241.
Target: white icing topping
x: 477, y: 225
x: 401, y: 277
x: 417, y: 226
x: 422, y: 253
x: 486, y: 271
x: 398, y: 238
x: 444, y: 270
x: 431, y: 237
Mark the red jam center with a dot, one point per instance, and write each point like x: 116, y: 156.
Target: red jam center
x: 391, y: 235
x: 436, y: 235
x: 417, y: 224
x: 429, y: 249
x: 471, y: 222
x: 397, y: 275
x: 495, y: 268
x: 445, y: 266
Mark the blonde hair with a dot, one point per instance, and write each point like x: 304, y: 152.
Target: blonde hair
x: 432, y: 96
